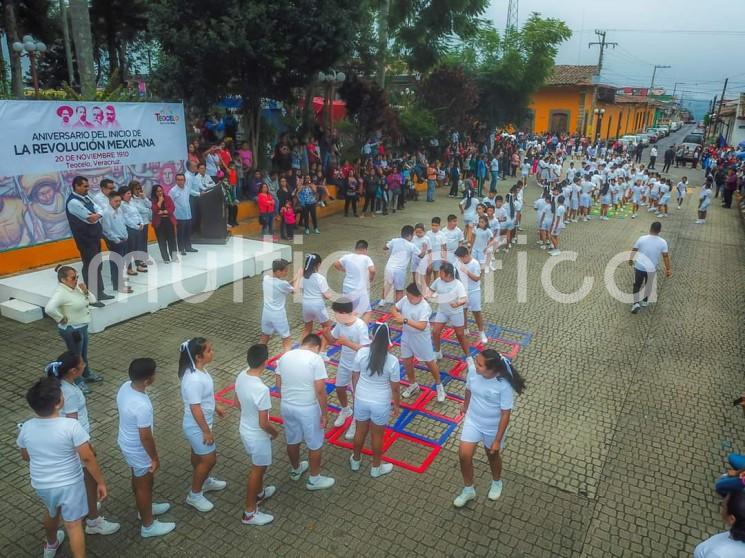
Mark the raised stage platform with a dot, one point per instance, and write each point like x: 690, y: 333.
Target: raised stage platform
x: 197, y: 273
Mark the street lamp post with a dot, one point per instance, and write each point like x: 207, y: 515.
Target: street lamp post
x: 330, y: 79
x: 32, y: 49
x: 599, y: 112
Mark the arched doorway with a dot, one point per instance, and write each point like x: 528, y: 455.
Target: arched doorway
x: 558, y: 121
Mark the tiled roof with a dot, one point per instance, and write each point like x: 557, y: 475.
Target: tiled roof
x: 572, y: 75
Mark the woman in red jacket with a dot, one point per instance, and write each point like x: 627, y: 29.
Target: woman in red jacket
x: 265, y: 202
x: 164, y: 222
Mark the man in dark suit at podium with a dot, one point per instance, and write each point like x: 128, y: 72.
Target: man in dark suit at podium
x: 87, y: 232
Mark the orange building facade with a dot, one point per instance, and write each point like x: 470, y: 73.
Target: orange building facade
x: 572, y: 103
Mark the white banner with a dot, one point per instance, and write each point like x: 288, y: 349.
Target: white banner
x: 43, y: 136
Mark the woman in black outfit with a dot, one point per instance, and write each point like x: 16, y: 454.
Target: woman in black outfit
x: 350, y: 194
x: 370, y: 186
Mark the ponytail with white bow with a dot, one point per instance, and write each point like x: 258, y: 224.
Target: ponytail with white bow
x: 62, y: 365
x: 189, y: 350
x: 504, y: 368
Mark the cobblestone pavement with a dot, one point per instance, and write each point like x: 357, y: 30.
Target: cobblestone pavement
x: 612, y: 451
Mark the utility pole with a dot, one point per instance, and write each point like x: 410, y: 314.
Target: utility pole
x: 719, y: 110
x: 603, y: 44
x: 654, y: 73
x: 711, y: 113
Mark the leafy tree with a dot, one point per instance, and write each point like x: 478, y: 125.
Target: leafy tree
x: 417, y: 125
x: 368, y: 105
x: 19, y: 18
x: 116, y: 23
x: 258, y: 49
x: 450, y: 93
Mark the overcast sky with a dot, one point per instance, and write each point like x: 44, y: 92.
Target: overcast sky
x: 650, y: 32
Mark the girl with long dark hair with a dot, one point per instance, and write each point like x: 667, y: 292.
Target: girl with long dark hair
x: 490, y: 386
x: 198, y: 394
x: 316, y: 292
x: 375, y: 377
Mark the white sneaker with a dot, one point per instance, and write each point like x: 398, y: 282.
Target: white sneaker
x: 295, y: 474
x: 410, y: 390
x: 381, y: 304
x: 320, y: 483
x: 268, y: 491
x: 633, y: 215
x: 158, y: 509
x: 349, y: 434
x: 539, y: 243
x: 484, y: 338
x: 199, y: 502
x: 465, y: 496
x: 343, y: 415
x: 256, y: 518
x: 644, y: 303
x: 635, y: 308
x: 384, y: 469
x: 51, y: 551
x: 543, y: 246
x: 438, y: 355
x: 679, y: 208
x: 157, y: 529
x: 213, y: 485
x: 466, y: 332
x: 100, y: 526
x: 354, y: 464
x: 440, y: 393
x: 496, y: 490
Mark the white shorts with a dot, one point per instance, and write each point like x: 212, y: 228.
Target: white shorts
x: 419, y: 265
x: 275, y: 323
x: 315, y: 311
x: 471, y: 433
x: 479, y: 255
x: 259, y: 450
x: 71, y: 500
x: 454, y: 320
x: 585, y: 200
x: 343, y: 375
x: 378, y: 413
x: 139, y: 462
x: 396, y: 277
x: 417, y: 346
x: 474, y: 301
x: 302, y: 424
x: 360, y: 300
x: 195, y: 437
x: 575, y: 204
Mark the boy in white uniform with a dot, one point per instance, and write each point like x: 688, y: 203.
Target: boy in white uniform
x: 54, y: 447
x: 300, y: 379
x: 402, y: 252
x: 137, y: 444
x: 274, y: 315
x: 359, y: 272
x: 413, y: 312
x: 438, y: 250
x: 469, y: 272
x: 450, y: 296
x: 257, y: 433
x: 421, y: 241
x: 352, y: 334
x: 453, y: 237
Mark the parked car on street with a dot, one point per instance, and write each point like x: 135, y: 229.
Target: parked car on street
x: 644, y: 138
x: 689, y: 150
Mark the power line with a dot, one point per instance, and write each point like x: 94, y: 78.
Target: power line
x: 717, y: 32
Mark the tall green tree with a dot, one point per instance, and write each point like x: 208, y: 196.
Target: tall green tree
x: 116, y: 24
x: 258, y: 49
x: 80, y: 23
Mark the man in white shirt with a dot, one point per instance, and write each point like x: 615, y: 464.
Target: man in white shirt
x: 359, y: 272
x: 652, y: 157
x: 300, y: 379
x: 645, y: 257
x: 101, y: 198
x: 181, y: 195
x: 115, y: 235
x: 494, y: 168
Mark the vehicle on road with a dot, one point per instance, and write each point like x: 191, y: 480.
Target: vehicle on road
x: 689, y: 150
x: 644, y: 138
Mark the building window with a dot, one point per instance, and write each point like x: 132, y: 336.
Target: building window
x: 528, y: 124
x: 558, y: 121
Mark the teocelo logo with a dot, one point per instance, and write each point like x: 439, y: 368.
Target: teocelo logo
x: 166, y: 117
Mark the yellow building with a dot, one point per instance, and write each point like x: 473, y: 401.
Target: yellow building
x: 572, y: 101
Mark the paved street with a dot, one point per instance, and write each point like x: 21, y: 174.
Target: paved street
x: 612, y: 450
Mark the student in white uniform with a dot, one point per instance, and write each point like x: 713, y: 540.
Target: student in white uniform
x: 300, y: 379
x: 730, y: 543
x: 419, y: 264
x: 605, y: 198
x: 376, y: 381
x: 352, y: 334
x: 681, y: 190
x: 585, y: 199
x: 54, y: 447
x: 469, y: 272
x: 451, y: 296
x: 198, y: 395
x: 316, y: 292
x: 273, y: 314
x: 359, y: 273
x: 413, y: 313
x: 468, y: 210
x: 67, y: 368
x: 136, y: 442
x: 402, y: 250
x: 256, y: 432
x: 645, y: 257
x: 559, y: 211
x: 438, y: 249
x: 636, y: 195
x: 502, y: 215
x: 665, y: 187
x: 453, y: 237
x: 483, y: 241
x: 490, y: 387
x: 704, y: 201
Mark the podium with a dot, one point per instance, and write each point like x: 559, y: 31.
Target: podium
x: 213, y: 218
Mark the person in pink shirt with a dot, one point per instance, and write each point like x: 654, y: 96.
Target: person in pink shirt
x: 265, y: 201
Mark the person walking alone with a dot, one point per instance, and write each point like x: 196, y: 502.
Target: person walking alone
x: 652, y: 157
x: 644, y: 257
x: 669, y: 158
